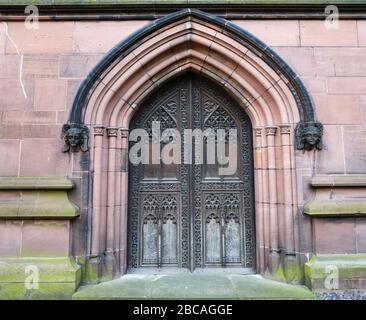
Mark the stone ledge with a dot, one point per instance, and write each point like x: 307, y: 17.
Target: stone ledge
x: 351, y: 270
x: 38, y: 205
x: 339, y: 181
x: 327, y: 208
x: 337, y: 195
x: 36, y: 198
x: 35, y: 183
x: 58, y: 278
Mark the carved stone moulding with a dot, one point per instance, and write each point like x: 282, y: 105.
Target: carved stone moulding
x: 112, y: 132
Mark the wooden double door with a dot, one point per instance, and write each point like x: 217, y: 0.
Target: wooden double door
x: 188, y: 216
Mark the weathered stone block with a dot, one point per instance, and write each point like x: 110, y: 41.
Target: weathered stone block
x: 361, y: 235
x: 99, y: 37
x: 43, y: 157
x: 338, y: 109
x: 9, y: 157
x: 273, y: 32
x: 348, y: 270
x: 346, y: 85
x: 15, y: 97
x: 10, y: 238
x: 355, y: 146
x: 40, y: 66
x: 340, y: 62
x: 77, y: 66
x: 315, y: 85
x: 32, y: 117
x: 300, y: 59
x: 9, y: 66
x: 334, y: 235
x: 45, y: 238
x: 331, y: 158
x: 58, y: 278
x: 361, y: 28
x: 49, y: 38
x: 50, y: 94
x: 2, y: 38
x: 315, y: 33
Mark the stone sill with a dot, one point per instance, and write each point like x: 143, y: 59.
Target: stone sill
x: 328, y: 208
x: 339, y: 181
x: 35, y: 183
x: 36, y: 198
x: 337, y: 195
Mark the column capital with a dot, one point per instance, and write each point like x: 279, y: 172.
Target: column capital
x: 258, y: 132
x: 271, y: 130
x: 112, y: 132
x: 124, y: 133
x: 285, y: 128
x: 98, y: 130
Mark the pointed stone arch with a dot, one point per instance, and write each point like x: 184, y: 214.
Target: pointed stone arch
x: 260, y: 81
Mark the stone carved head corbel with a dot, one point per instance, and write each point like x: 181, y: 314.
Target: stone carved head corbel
x: 309, y: 136
x: 75, y: 137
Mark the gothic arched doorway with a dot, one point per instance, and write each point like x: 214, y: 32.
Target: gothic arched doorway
x: 192, y: 214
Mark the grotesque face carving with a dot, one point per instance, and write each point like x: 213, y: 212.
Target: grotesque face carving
x: 312, y: 136
x: 308, y: 135
x: 75, y: 137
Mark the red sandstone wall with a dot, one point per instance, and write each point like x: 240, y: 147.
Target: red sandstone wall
x: 332, y: 64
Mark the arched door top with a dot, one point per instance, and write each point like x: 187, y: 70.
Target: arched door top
x: 194, y: 40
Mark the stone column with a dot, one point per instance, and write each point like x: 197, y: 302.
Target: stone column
x: 109, y: 262
x: 117, y: 204
x: 260, y: 230
x: 93, y: 268
x: 124, y: 200
x: 272, y: 186
x: 291, y: 266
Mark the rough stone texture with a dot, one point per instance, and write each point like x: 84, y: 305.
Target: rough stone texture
x: 341, y: 295
x: 349, y: 271
x: 58, y: 278
x: 50, y: 94
x: 9, y: 157
x: 188, y: 286
x: 286, y: 31
x: 99, y: 37
x: 49, y: 38
x: 315, y: 33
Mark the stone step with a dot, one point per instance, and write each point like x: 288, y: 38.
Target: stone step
x: 192, y: 286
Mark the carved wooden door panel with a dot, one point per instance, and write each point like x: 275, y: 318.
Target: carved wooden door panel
x: 189, y: 216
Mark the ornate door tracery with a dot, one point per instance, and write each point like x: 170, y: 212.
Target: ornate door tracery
x: 188, y: 216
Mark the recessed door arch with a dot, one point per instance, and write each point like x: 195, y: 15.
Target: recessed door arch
x: 188, y: 216
x: 272, y: 94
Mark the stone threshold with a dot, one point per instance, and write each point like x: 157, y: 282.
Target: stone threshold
x: 182, y: 286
